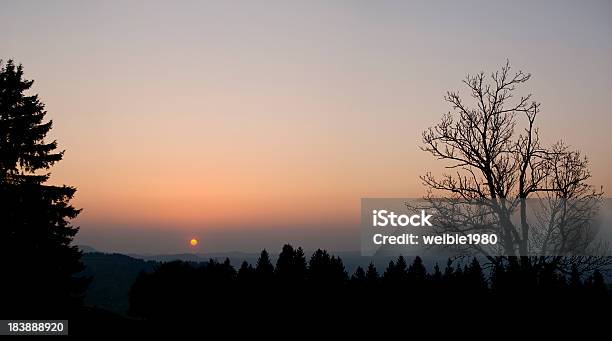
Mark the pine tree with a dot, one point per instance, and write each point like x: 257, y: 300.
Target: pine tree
x: 396, y: 272
x: 498, y: 278
x: 435, y: 280
x: 318, y: 266
x: 245, y: 273
x: 359, y: 276
x: 337, y: 271
x: 323, y: 268
x: 285, y: 263
x: 458, y: 277
x: 371, y: 274
x: 575, y: 282
x: 417, y: 271
x: 300, y: 267
x: 389, y: 271
x: 436, y: 277
x: 37, y: 257
x: 401, y: 265
x: 449, y: 271
x: 229, y: 273
x: 291, y: 264
x: 264, y: 269
x: 599, y: 285
x: 475, y: 277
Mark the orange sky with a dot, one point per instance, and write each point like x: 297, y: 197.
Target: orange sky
x: 205, y: 116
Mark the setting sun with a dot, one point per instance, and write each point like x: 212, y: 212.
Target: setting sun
x: 193, y: 242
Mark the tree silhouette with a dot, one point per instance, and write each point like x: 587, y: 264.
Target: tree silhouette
x: 299, y: 263
x: 323, y: 268
x: 499, y: 278
x: 475, y: 278
x: 358, y: 283
x: 246, y: 272
x: 396, y: 273
x: 264, y: 271
x: 359, y: 277
x: 291, y: 265
x: 449, y: 271
x: 598, y: 286
x: 497, y: 159
x: 435, y: 279
x: 371, y: 274
x: 35, y: 233
x: 575, y: 282
x: 416, y: 271
x: 436, y: 276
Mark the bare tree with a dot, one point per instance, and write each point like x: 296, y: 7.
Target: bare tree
x: 496, y: 159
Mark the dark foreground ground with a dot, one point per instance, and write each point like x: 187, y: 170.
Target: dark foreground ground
x: 434, y: 318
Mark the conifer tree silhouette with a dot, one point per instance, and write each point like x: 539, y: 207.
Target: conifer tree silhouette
x: 359, y: 276
x: 300, y: 264
x: 284, y: 264
x: 475, y: 278
x: 397, y: 272
x: 371, y: 274
x: 264, y: 271
x: 318, y: 266
x: 291, y: 265
x: 449, y: 272
x: 245, y: 273
x: 498, y: 279
x: 599, y: 288
x: 37, y: 257
x: 436, y: 276
x: 389, y: 273
x: 338, y: 272
x: 436, y: 284
x: 575, y: 282
x: 326, y: 269
x: 417, y: 271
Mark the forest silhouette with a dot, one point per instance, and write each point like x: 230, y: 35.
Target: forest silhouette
x: 180, y: 289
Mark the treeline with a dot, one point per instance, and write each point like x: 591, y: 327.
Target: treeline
x: 182, y: 288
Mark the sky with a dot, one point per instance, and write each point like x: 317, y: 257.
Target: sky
x: 248, y: 124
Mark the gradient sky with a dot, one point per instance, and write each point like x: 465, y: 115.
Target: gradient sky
x: 251, y: 123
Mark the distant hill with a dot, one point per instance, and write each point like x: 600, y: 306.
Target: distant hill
x: 86, y: 248
x: 113, y: 275
x: 235, y: 257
